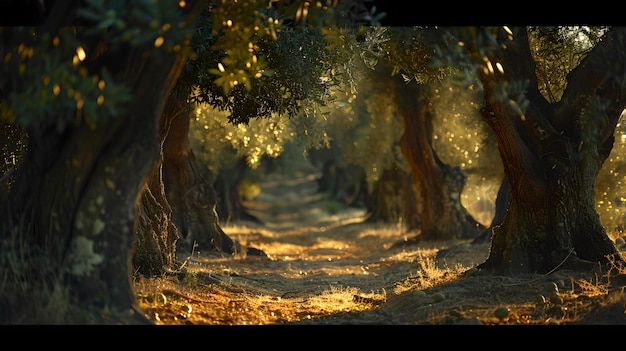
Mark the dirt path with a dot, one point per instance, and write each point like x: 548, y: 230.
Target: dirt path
x: 327, y: 266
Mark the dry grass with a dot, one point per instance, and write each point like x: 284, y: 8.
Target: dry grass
x: 330, y: 268
x: 31, y: 289
x: 346, y: 275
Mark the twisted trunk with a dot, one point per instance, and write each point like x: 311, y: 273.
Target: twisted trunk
x: 437, y: 186
x: 74, y: 196
x: 178, y: 208
x: 71, y: 211
x: 392, y: 198
x: 192, y: 198
x: 552, y: 163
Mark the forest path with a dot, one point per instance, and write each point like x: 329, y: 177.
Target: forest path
x: 290, y: 199
x: 327, y: 265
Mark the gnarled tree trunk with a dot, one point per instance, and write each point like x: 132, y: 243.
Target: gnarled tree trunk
x: 552, y: 155
x: 75, y: 193
x: 437, y: 186
x: 192, y: 198
x: 178, y: 207
x: 156, y: 233
x: 72, y: 208
x: 392, y: 199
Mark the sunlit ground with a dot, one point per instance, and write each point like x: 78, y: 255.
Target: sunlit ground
x: 307, y: 276
x: 343, y: 275
x: 335, y: 269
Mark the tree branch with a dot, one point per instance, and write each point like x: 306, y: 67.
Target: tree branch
x: 595, y: 76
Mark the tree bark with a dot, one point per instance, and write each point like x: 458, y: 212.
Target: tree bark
x: 192, y: 198
x: 437, y: 186
x: 392, y: 198
x: 179, y: 214
x: 157, y: 235
x: 551, y: 156
x: 226, y: 184
x: 75, y: 194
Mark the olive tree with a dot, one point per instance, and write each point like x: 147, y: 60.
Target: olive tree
x: 552, y: 151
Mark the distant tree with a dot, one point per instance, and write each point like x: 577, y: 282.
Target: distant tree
x: 402, y: 56
x: 438, y: 186
x: 462, y: 138
x: 370, y: 132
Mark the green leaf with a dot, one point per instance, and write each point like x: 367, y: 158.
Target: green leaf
x: 215, y: 71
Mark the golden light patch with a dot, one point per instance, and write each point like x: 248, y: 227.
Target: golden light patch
x: 158, y: 42
x: 80, y: 53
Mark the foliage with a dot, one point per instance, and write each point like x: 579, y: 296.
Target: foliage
x: 461, y: 136
x: 239, y: 26
x: 611, y: 184
x: 366, y: 131
x: 142, y: 24
x: 218, y: 142
x: 353, y: 111
x: 297, y: 61
x: 59, y: 76
x: 556, y: 51
x: 450, y: 47
x: 410, y: 52
x: 248, y: 189
x: 361, y: 124
x: 307, y: 71
x: 262, y: 59
x: 46, y: 75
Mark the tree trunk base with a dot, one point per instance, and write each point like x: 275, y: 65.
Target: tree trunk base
x: 571, y: 263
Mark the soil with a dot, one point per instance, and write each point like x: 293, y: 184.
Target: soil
x: 326, y: 265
